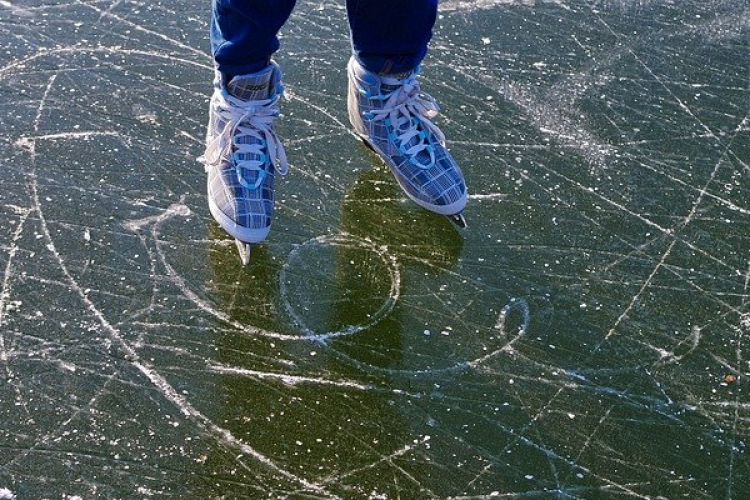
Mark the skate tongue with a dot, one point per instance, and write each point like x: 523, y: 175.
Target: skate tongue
x: 392, y: 81
x: 253, y: 87
x: 399, y: 76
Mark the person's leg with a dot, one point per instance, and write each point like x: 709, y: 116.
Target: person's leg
x: 391, y: 36
x: 243, y: 34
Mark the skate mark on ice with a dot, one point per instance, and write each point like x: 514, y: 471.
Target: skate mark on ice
x: 345, y: 241
x: 291, y: 380
x: 223, y: 435
x: 307, y: 334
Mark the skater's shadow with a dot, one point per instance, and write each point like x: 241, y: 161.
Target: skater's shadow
x: 248, y: 295
x: 337, y: 285
x: 376, y: 210
x: 330, y: 283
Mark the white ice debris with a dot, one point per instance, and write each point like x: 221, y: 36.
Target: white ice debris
x: 6, y: 494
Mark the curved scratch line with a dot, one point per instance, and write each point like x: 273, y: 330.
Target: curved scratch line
x: 157, y: 220
x: 385, y: 309
x: 515, y: 303
x: 156, y: 379
x: 309, y: 335
x: 669, y: 357
x: 159, y: 381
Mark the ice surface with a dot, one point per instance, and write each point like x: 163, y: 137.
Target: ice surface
x: 585, y: 338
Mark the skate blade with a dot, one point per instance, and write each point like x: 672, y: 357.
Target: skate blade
x: 369, y: 146
x: 459, y: 220
x: 244, y: 250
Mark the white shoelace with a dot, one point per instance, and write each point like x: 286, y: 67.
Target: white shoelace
x: 253, y: 119
x: 407, y: 108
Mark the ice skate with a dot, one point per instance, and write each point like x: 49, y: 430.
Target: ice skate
x: 393, y: 117
x: 243, y: 155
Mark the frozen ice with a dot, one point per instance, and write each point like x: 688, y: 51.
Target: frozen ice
x: 585, y: 337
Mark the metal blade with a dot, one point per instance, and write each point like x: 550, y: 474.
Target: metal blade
x: 244, y: 250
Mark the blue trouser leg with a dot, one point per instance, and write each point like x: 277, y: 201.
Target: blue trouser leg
x: 243, y: 33
x: 388, y: 36
x: 391, y: 36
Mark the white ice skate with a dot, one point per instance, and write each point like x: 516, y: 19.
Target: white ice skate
x: 393, y: 117
x: 243, y: 155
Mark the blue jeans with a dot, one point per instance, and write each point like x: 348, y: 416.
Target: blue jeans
x: 388, y: 36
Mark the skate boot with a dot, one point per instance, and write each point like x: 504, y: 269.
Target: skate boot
x: 243, y: 155
x: 392, y: 116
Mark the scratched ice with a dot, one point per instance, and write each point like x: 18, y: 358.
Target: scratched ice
x: 585, y: 338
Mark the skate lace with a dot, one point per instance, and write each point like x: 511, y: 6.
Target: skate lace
x: 248, y: 119
x: 408, y: 112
